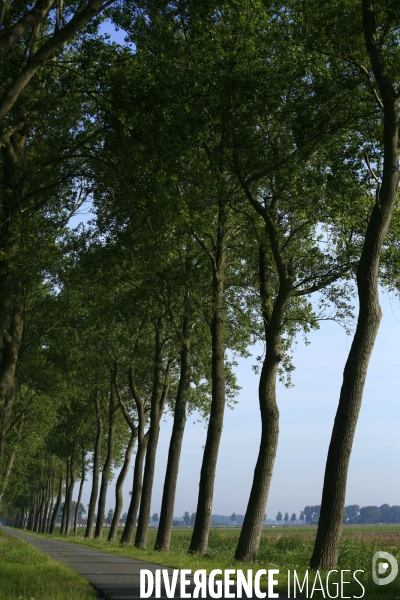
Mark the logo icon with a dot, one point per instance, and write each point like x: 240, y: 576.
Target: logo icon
x: 385, y: 559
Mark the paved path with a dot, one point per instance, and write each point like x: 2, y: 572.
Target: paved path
x: 114, y: 577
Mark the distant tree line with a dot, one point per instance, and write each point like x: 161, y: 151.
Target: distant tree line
x: 353, y: 514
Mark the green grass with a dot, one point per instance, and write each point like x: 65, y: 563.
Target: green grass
x: 27, y: 574
x: 281, y: 548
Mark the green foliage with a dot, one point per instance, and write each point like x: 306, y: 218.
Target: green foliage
x: 110, y: 515
x: 267, y: 110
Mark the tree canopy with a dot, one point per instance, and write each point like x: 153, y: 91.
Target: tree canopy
x: 240, y: 162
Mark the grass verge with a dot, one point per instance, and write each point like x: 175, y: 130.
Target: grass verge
x: 286, y: 549
x: 28, y: 574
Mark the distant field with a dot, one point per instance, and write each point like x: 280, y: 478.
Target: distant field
x: 285, y: 548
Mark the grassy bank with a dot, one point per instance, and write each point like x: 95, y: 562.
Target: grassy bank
x: 286, y: 549
x: 27, y: 574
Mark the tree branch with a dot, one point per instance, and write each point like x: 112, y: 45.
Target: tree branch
x: 61, y: 37
x: 12, y: 36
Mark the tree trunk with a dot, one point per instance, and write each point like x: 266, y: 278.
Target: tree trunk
x: 51, y: 502
x: 118, y: 487
x: 127, y: 534
x: 96, y: 468
x: 107, y: 467
x: 46, y: 506
x: 68, y: 497
x: 39, y: 522
x: 64, y: 513
x: 11, y: 223
x: 10, y: 463
x: 76, y: 517
x: 199, y: 541
x: 171, y: 476
x: 159, y: 395
x: 12, y: 343
x: 31, y: 518
x: 57, y: 507
x: 6, y: 475
x: 326, y: 547
x: 272, y: 314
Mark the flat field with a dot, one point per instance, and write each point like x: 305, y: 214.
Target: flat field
x: 283, y: 548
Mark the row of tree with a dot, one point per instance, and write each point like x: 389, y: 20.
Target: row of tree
x: 286, y: 517
x: 354, y: 514
x: 241, y: 163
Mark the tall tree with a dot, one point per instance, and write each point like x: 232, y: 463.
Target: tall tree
x: 380, y: 28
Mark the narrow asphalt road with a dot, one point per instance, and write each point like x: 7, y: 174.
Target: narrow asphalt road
x: 114, y: 577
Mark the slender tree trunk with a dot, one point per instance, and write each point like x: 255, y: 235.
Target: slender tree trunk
x: 159, y: 395
x: 6, y: 475
x: 68, y: 497
x: 64, y: 513
x: 326, y: 547
x: 51, y: 502
x: 29, y: 525
x: 10, y: 462
x: 272, y: 314
x: 11, y: 223
x: 39, y: 500
x: 199, y: 541
x: 119, y: 485
x: 46, y: 507
x: 39, y: 523
x: 107, y: 467
x: 96, y: 468
x: 57, y: 507
x: 12, y: 343
x: 78, y: 503
x: 171, y: 476
x: 127, y: 534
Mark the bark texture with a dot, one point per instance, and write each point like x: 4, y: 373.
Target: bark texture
x: 11, y: 223
x: 12, y: 343
x: 57, y: 507
x: 326, y: 547
x: 250, y: 535
x: 119, y: 485
x: 142, y: 437
x: 78, y: 502
x: 5, y: 478
x: 199, y: 541
x: 68, y: 497
x: 105, y: 478
x: 51, y: 502
x: 64, y: 512
x: 129, y: 529
x: 159, y: 394
x: 171, y: 476
x: 96, y: 469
